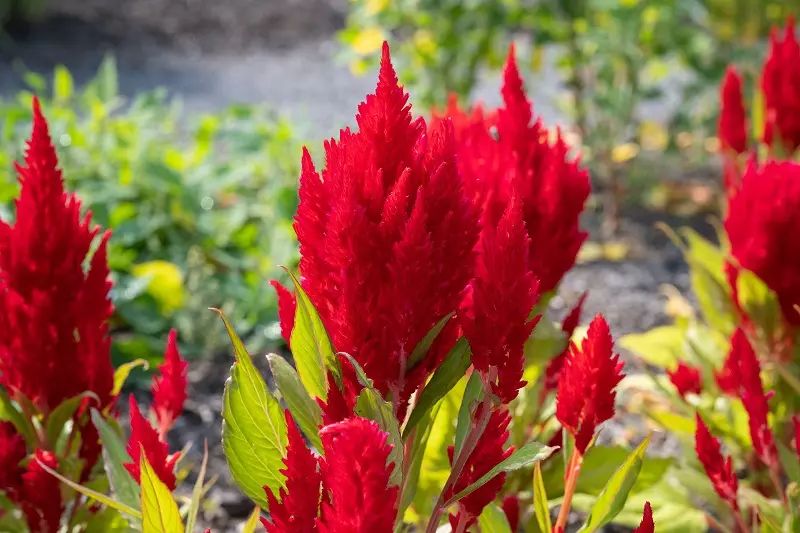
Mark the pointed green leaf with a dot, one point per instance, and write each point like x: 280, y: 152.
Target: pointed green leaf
x: 789, y: 461
x: 369, y: 404
x: 312, y: 348
x: 123, y: 371
x: 418, y: 447
x: 662, y: 346
x: 493, y: 520
x: 615, y: 494
x: 254, y: 435
x: 525, y: 456
x: 444, y: 379
x: 305, y: 411
x: 160, y: 513
x: 471, y: 394
x: 421, y: 349
x: 541, y: 509
x: 252, y: 522
x: 63, y: 413
x: 11, y: 413
x: 197, y: 492
x: 123, y: 486
x: 62, y: 83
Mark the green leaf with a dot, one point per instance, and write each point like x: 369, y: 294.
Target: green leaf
x: 421, y: 349
x: 493, y: 520
x: 312, y: 348
x: 252, y: 522
x: 160, y: 513
x: 254, y: 434
x: 197, y: 492
x: 418, y: 447
x: 106, y: 81
x: 789, y: 461
x: 444, y: 379
x: 541, y: 509
x: 662, y: 346
x: 63, y: 413
x: 123, y: 371
x: 369, y: 404
x: 62, y: 83
x: 471, y: 394
x: 612, y: 499
x: 525, y: 456
x: 11, y: 413
x: 305, y: 411
x: 123, y: 486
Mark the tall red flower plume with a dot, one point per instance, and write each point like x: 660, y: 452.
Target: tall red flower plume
x: 586, y: 392
x: 647, y: 525
x: 496, y: 319
x: 357, y: 497
x: 287, y: 306
x: 341, y: 400
x: 512, y: 511
x: 754, y: 399
x: 41, y: 495
x: 169, y: 389
x: 732, y: 127
x: 53, y: 314
x: 386, y: 237
x: 796, y: 424
x: 144, y: 436
x: 296, y: 512
x: 780, y: 83
x: 489, y: 451
x: 728, y: 378
x: 686, y: 379
x: 718, y: 469
x: 763, y: 225
x: 508, y: 153
x: 12, y: 453
x: 568, y: 326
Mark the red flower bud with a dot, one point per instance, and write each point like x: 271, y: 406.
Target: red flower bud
x: 169, y: 389
x: 780, y: 83
x: 647, y: 525
x: 718, y: 469
x: 732, y: 128
x: 686, y: 379
x: 144, y: 436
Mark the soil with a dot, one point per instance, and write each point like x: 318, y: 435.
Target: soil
x: 281, y: 52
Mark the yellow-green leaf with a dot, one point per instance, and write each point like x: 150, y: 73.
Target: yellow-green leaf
x: 662, y: 346
x: 160, y: 513
x: 493, y: 520
x: 123, y: 486
x: 252, y: 522
x: 197, y: 492
x: 541, y: 509
x: 305, y: 411
x: 123, y: 371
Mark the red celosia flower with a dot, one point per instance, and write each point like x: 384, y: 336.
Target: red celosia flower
x: 718, y: 469
x: 686, y: 379
x: 780, y: 83
x: 763, y: 225
x: 728, y: 377
x: 489, y: 451
x: 144, y: 436
x: 296, y: 512
x: 169, y: 389
x: 287, y: 305
x: 12, y: 453
x: 732, y: 127
x: 53, y: 315
x: 647, y: 525
x: 341, y: 400
x: 568, y: 326
x: 511, y: 510
x: 509, y: 154
x: 357, y: 497
x: 796, y: 423
x: 496, y: 319
x: 754, y: 399
x: 41, y: 495
x: 586, y: 393
x: 386, y: 238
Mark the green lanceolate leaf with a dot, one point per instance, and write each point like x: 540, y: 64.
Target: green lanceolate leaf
x: 420, y: 444
x: 540, y: 506
x: 311, y: 346
x: 160, y: 513
x: 123, y: 371
x: 369, y: 404
x: 123, y: 486
x: 62, y: 414
x: 305, y: 411
x: 493, y: 520
x: 421, y: 349
x: 471, y: 394
x: 444, y: 379
x: 11, y: 413
x: 530, y: 453
x: 252, y: 522
x: 612, y: 500
x: 197, y: 492
x: 662, y: 346
x: 254, y: 435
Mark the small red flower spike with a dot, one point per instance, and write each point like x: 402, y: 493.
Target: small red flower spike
x: 169, y: 389
x: 647, y: 525
x: 12, y: 453
x: 568, y: 326
x: 686, y: 379
x: 732, y: 127
x: 143, y: 436
x: 780, y: 83
x: 718, y: 469
x: 796, y: 423
x: 41, y: 494
x: 287, y: 306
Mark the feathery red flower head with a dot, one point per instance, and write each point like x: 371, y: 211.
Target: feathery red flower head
x: 496, y: 318
x: 763, y: 225
x: 144, y: 436
x: 53, y: 315
x: 780, y: 83
x: 647, y: 525
x: 732, y: 127
x: 287, y: 306
x: 568, y: 326
x: 386, y: 237
x: 41, y: 494
x: 686, y: 379
x: 169, y: 389
x: 12, y: 453
x: 489, y: 451
x: 718, y: 469
x: 586, y: 392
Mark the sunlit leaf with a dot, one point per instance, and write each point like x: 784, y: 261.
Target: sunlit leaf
x: 493, y: 520
x: 304, y: 410
x: 160, y: 513
x: 123, y: 486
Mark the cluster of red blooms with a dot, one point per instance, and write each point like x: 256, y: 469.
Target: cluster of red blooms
x: 54, y: 342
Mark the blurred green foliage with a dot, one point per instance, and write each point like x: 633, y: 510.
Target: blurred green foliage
x: 200, y: 208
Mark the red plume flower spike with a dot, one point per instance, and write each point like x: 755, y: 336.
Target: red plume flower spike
x: 568, y: 327
x: 41, y: 494
x: 718, y: 469
x: 386, y: 237
x: 12, y: 453
x: 586, y: 392
x: 780, y: 83
x: 796, y: 424
x: 169, y: 389
x: 512, y: 511
x: 287, y: 306
x: 763, y: 225
x: 732, y: 127
x: 686, y: 379
x: 296, y: 512
x: 144, y: 436
x: 496, y: 319
x: 647, y: 525
x: 489, y: 451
